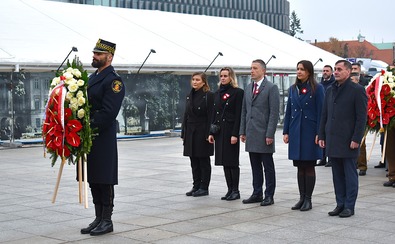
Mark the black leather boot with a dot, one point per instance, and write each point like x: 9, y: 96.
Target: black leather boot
x: 105, y: 225
x: 302, y: 189
x: 91, y: 226
x: 310, y: 183
x: 299, y: 204
x: 306, y: 204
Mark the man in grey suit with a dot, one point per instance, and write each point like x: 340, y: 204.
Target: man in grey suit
x: 342, y: 127
x: 259, y: 118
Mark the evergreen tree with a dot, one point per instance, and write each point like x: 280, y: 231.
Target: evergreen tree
x: 295, y: 25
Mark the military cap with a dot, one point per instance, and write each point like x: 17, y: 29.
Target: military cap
x: 103, y: 46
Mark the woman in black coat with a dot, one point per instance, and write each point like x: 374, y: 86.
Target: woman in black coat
x: 195, y: 131
x: 228, y: 102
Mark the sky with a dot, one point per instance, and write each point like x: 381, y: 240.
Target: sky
x: 345, y: 19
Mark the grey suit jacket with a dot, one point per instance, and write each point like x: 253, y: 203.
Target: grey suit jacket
x: 259, y: 117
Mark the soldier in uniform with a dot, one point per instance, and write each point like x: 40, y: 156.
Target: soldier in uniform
x: 105, y: 94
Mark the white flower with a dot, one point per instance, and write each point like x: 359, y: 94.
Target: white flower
x: 69, y: 96
x: 55, y: 81
x: 71, y: 81
x: 68, y: 70
x: 80, y: 94
x: 68, y: 76
x: 81, y: 101
x: 73, y: 87
x: 76, y: 73
x: 80, y: 82
x: 73, y: 104
x: 81, y: 113
x: 74, y: 100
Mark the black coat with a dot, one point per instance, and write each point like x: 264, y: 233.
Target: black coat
x: 196, y: 124
x: 343, y: 119
x: 327, y: 83
x: 105, y: 93
x: 227, y: 113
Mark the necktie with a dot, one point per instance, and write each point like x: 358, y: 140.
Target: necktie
x: 255, y: 91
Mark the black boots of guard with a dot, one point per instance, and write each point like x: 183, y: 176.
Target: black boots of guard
x: 102, y: 223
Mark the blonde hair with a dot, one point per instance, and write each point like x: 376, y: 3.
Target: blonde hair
x: 232, y: 76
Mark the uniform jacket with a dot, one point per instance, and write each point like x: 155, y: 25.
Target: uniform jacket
x: 196, y: 124
x: 227, y: 113
x: 105, y: 93
x: 343, y: 119
x: 259, y: 117
x: 302, y: 121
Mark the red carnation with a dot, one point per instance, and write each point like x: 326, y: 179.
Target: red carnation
x: 225, y: 96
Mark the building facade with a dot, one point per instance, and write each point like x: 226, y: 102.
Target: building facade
x: 274, y: 13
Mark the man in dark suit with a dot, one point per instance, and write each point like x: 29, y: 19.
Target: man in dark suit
x: 259, y: 118
x: 105, y: 94
x: 342, y: 127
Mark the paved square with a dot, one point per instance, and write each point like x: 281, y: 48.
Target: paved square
x: 151, y: 206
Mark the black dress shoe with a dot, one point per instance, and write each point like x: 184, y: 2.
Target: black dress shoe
x: 389, y: 183
x: 380, y: 165
x: 362, y: 172
x: 253, y: 199
x: 200, y: 192
x: 346, y: 213
x: 233, y: 196
x: 189, y: 193
x: 322, y: 162
x: 226, y: 195
x: 336, y: 211
x: 267, y: 201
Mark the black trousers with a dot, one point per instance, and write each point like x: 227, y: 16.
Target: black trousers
x: 201, y: 172
x: 102, y: 194
x: 263, y: 162
x: 232, y: 176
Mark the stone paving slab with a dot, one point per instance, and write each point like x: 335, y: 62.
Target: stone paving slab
x: 151, y: 206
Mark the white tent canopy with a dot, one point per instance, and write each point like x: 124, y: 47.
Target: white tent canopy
x: 37, y: 35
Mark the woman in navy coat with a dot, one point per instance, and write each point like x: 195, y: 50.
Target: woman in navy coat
x: 301, y: 126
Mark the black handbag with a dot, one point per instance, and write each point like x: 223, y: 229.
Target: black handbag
x: 214, y: 129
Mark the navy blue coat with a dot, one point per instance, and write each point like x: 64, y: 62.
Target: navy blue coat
x: 105, y: 93
x: 302, y: 121
x: 343, y: 119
